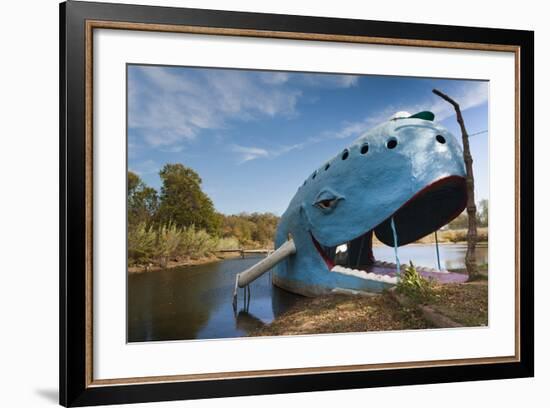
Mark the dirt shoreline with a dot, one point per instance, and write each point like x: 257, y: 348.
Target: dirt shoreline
x: 183, y: 262
x: 464, y: 303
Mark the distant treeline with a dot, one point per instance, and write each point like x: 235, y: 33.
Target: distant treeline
x: 180, y: 221
x: 482, y: 217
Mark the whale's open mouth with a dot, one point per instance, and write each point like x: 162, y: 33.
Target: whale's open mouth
x: 428, y: 210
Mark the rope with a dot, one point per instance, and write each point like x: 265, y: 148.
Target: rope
x: 397, y: 263
x: 437, y: 251
x: 477, y: 133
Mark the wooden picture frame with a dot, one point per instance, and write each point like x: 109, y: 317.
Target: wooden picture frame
x: 78, y: 20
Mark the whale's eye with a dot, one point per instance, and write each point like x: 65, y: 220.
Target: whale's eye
x: 326, y: 204
x: 345, y: 155
x: 327, y: 200
x: 365, y: 148
x: 314, y: 174
x: 440, y: 139
x: 392, y: 143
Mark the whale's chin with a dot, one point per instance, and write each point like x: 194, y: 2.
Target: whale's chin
x: 428, y: 210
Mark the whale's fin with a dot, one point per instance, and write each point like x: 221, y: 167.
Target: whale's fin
x: 426, y: 115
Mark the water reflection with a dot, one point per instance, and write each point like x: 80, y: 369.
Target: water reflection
x: 452, y: 255
x: 247, y: 322
x: 195, y: 302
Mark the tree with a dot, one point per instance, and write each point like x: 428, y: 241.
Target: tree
x: 251, y: 230
x: 459, y: 222
x: 482, y: 217
x: 471, y: 265
x: 183, y: 202
x: 142, y: 201
x: 483, y: 213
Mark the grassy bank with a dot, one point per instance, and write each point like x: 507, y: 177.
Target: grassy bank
x: 176, y: 263
x: 466, y: 304
x: 450, y: 236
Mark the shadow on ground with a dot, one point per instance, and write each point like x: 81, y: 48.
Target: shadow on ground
x: 51, y: 395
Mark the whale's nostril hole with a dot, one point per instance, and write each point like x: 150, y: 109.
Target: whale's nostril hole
x: 391, y: 143
x: 314, y: 175
x: 345, y: 155
x: 327, y: 166
x: 440, y: 139
x: 364, y: 148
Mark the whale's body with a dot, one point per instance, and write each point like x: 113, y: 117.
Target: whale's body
x: 408, y: 168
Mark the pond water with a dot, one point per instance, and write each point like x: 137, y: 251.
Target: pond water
x: 195, y: 302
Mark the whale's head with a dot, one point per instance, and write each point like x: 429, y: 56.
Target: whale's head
x: 409, y: 169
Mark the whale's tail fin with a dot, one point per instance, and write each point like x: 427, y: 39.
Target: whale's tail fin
x: 244, y: 278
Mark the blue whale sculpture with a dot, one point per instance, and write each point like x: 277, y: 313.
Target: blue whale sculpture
x: 400, y: 181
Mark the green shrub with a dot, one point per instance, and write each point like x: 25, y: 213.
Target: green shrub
x: 228, y: 243
x: 414, y: 286
x: 196, y: 243
x: 141, y: 244
x: 167, y: 243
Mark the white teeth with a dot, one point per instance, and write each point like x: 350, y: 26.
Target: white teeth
x: 364, y: 275
x: 418, y: 268
x: 342, y: 248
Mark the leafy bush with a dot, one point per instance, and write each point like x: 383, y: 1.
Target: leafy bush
x: 255, y: 230
x: 141, y: 244
x: 168, y: 239
x: 146, y: 244
x: 414, y: 286
x: 228, y: 243
x: 462, y: 235
x: 196, y: 243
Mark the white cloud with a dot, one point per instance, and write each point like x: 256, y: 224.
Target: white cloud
x: 349, y: 129
x: 274, y: 77
x: 331, y: 81
x: 249, y: 153
x: 315, y: 79
x: 347, y: 81
x: 170, y: 108
x: 468, y: 96
x: 145, y: 167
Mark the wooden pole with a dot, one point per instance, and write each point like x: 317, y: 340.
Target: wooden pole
x: 471, y: 265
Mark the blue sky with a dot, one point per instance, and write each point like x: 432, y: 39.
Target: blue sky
x: 254, y: 136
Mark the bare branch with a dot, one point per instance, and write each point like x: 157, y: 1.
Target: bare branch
x: 471, y: 265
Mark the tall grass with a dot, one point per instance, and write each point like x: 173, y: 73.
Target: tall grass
x: 167, y: 242
x: 142, y: 243
x: 196, y: 243
x: 228, y: 243
x: 461, y: 235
